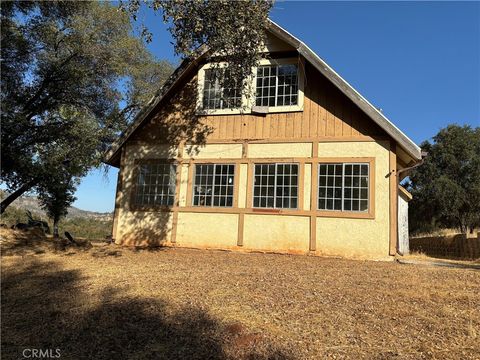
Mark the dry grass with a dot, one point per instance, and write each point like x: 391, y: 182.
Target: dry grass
x: 421, y: 256
x: 110, y: 303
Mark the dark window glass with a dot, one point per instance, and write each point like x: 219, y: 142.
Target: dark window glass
x: 277, y: 85
x: 343, y: 187
x: 213, y: 185
x: 156, y: 184
x: 275, y: 186
x: 214, y: 96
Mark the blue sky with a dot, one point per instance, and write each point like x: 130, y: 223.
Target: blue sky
x: 418, y: 61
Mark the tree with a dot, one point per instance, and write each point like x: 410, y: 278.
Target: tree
x: 73, y: 77
x: 57, y: 196
x: 446, y: 188
x: 227, y: 29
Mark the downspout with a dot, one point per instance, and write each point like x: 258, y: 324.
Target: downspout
x: 424, y: 154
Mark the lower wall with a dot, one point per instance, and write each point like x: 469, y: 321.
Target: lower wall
x: 277, y: 233
x: 335, y: 236
x: 207, y: 230
x: 353, y: 238
x: 142, y: 228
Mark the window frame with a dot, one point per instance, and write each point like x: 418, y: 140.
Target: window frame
x: 221, y: 90
x: 275, y: 207
x: 136, y: 173
x: 370, y: 213
x: 248, y: 101
x: 234, y: 185
x: 276, y: 95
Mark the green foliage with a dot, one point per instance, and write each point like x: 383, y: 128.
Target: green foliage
x: 446, y: 188
x: 56, y: 197
x: 93, y: 228
x: 228, y: 29
x: 89, y: 228
x: 13, y: 215
x: 73, y: 77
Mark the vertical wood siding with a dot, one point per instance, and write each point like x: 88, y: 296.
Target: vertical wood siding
x: 327, y: 113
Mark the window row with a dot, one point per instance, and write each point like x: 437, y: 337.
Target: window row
x: 276, y: 85
x: 341, y: 186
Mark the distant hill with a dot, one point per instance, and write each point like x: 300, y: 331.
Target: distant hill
x: 31, y: 203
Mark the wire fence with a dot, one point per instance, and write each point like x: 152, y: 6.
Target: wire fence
x: 458, y: 246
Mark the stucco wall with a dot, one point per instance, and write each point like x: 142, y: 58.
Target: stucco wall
x: 307, y: 186
x: 242, y: 186
x: 182, y: 201
x: 358, y: 237
x: 207, y: 230
x: 214, y: 151
x: 280, y: 150
x: 141, y: 228
x: 276, y: 233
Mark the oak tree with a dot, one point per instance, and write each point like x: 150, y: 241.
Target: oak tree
x: 446, y: 188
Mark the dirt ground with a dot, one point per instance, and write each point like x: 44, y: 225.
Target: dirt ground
x: 114, y: 303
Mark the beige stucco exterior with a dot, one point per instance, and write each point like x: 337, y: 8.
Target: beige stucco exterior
x: 335, y: 236
x: 142, y: 228
x: 214, y: 151
x: 279, y: 150
x: 242, y: 188
x: 207, y: 231
x: 277, y: 233
x: 358, y: 237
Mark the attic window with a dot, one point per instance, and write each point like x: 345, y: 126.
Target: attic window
x: 217, y: 98
x: 277, y: 85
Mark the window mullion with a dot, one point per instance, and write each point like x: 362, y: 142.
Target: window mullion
x: 276, y: 88
x: 213, y: 184
x: 275, y: 187
x: 343, y: 184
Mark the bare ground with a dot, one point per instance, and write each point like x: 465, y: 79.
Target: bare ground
x: 114, y: 303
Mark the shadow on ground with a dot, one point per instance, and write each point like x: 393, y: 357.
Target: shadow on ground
x: 47, y: 307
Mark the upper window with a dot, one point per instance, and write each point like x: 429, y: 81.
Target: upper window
x: 343, y: 186
x: 277, y: 85
x: 275, y: 186
x: 213, y: 185
x: 217, y: 98
x: 155, y: 184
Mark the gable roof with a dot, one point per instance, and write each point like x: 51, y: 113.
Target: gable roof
x: 378, y: 117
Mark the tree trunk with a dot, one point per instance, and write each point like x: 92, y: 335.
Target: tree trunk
x: 55, y: 228
x: 16, y: 194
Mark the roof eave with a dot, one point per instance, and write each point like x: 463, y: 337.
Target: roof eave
x: 178, y: 74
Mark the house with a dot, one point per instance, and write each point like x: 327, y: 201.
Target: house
x: 307, y: 166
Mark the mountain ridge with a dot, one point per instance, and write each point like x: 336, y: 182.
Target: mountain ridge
x: 32, y: 204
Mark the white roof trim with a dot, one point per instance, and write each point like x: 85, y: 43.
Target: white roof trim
x: 403, y: 140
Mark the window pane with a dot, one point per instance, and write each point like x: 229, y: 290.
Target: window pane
x: 343, y: 187
x: 214, y: 96
x: 277, y: 85
x: 356, y: 187
x: 213, y: 185
x: 156, y: 185
x: 275, y: 185
x: 330, y: 186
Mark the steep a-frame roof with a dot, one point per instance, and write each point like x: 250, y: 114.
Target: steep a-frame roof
x: 184, y: 69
